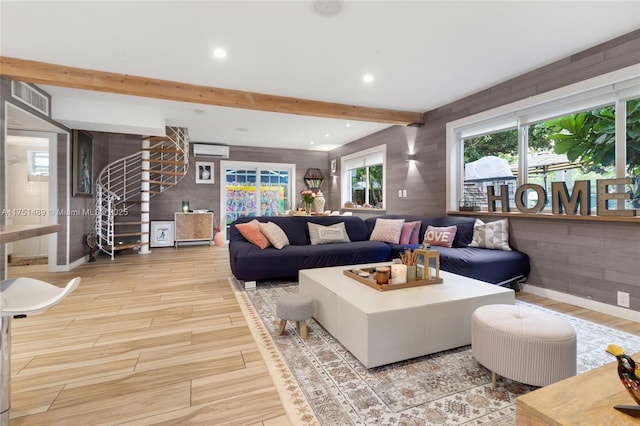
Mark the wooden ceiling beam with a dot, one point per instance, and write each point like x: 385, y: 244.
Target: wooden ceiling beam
x: 79, y: 78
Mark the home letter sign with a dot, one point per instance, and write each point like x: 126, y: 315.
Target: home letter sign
x: 561, y: 202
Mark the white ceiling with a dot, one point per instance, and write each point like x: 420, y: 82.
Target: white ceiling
x: 423, y: 54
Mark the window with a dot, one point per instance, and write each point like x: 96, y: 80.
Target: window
x: 488, y: 161
x: 363, y: 181
x: 38, y: 163
x: 633, y: 150
x: 566, y: 135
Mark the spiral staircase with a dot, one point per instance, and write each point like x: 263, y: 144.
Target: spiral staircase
x: 125, y: 186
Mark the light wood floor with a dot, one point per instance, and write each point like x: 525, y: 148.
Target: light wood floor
x: 145, y: 339
x: 154, y: 339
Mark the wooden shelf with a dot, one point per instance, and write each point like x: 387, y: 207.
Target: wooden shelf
x: 548, y: 216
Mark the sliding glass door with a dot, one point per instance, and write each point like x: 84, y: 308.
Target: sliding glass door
x: 255, y: 189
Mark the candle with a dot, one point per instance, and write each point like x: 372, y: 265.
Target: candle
x: 399, y: 273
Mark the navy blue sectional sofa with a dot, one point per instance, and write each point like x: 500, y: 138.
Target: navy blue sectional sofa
x: 493, y: 266
x: 250, y: 263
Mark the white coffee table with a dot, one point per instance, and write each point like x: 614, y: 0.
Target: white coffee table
x: 381, y: 327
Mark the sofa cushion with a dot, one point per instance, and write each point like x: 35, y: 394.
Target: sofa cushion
x: 464, y: 225
x: 320, y: 234
x: 297, y: 231
x: 410, y: 233
x: 251, y: 232
x: 274, y: 234
x: 492, y: 235
x: 387, y: 230
x: 440, y: 235
x: 492, y: 266
x: 249, y: 263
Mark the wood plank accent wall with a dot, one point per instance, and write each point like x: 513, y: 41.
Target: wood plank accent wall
x: 205, y: 196
x: 592, y: 260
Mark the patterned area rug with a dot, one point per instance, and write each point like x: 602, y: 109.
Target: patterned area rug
x: 446, y: 388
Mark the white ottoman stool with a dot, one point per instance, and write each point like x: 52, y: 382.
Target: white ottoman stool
x: 523, y: 344
x: 294, y: 307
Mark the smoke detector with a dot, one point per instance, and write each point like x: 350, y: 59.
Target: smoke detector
x: 327, y: 8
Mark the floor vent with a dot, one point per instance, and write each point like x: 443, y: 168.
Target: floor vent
x: 30, y: 96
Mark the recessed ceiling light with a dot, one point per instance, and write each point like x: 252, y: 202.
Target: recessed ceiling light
x: 326, y: 135
x: 311, y: 143
x: 219, y: 53
x: 367, y: 78
x: 348, y: 125
x: 327, y: 8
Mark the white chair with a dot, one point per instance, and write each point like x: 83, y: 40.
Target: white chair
x: 21, y: 297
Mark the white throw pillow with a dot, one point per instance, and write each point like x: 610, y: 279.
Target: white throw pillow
x: 319, y: 234
x: 274, y: 234
x: 492, y: 235
x: 387, y: 230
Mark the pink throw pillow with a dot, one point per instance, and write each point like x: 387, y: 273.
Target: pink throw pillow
x: 440, y: 235
x: 387, y: 230
x: 251, y: 231
x: 409, y: 234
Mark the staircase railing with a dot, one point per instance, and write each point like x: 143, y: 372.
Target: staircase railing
x: 119, y: 188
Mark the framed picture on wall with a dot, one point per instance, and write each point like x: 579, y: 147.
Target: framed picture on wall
x: 204, y: 172
x: 82, y: 163
x: 162, y: 233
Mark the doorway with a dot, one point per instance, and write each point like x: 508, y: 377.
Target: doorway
x: 255, y: 189
x: 27, y: 196
x: 31, y: 177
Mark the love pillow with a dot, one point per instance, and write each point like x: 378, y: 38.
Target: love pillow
x: 440, y: 235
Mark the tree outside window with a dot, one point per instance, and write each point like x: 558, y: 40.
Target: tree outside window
x: 579, y: 146
x: 366, y: 185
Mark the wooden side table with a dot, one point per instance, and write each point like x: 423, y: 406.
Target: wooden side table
x: 193, y: 227
x: 585, y: 399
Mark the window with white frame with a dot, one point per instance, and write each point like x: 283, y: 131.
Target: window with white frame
x: 38, y: 163
x: 585, y: 132
x: 363, y: 177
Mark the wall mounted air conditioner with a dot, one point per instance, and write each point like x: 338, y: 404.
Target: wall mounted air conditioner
x: 217, y: 151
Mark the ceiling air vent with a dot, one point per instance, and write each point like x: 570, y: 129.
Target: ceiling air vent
x: 30, y: 96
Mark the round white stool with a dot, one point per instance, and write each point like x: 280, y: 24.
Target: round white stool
x: 19, y: 297
x: 294, y: 307
x: 523, y: 344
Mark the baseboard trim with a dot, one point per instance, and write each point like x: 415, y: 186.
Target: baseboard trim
x: 69, y: 267
x: 593, y: 305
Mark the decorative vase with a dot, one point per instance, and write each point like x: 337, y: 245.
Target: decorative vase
x: 307, y: 207
x: 318, y: 202
x: 218, y: 239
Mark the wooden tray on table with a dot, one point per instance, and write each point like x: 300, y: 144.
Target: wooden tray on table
x: 371, y: 282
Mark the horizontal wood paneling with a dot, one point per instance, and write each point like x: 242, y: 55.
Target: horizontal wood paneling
x: 589, y: 259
